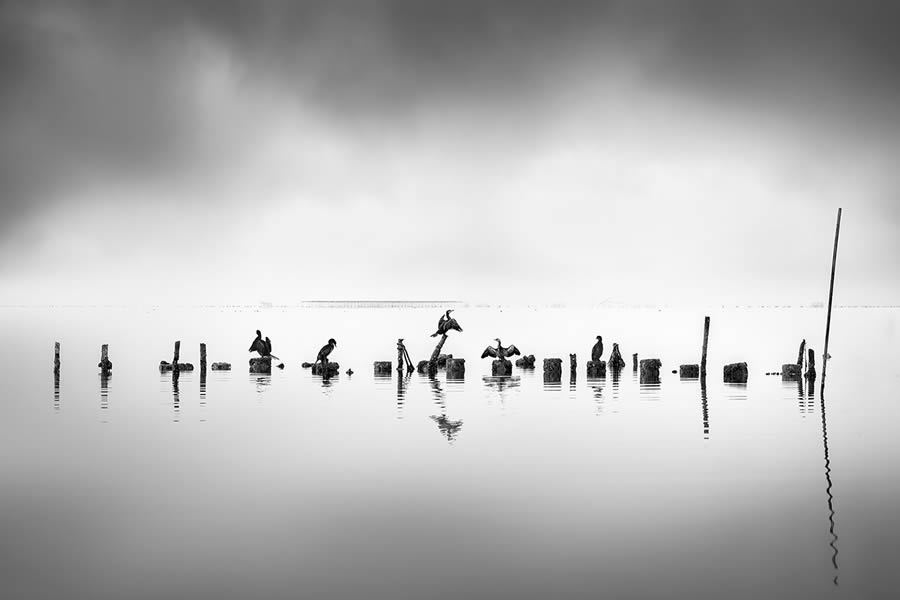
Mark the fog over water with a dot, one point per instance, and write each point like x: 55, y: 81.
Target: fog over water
x: 505, y: 151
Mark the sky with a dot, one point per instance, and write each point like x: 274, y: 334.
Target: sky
x: 506, y: 151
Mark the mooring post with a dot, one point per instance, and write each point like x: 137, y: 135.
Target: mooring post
x: 705, y: 344
x: 634, y: 362
x: 202, y: 358
x: 56, y: 359
x: 837, y: 233
x: 105, y: 365
x: 175, y: 357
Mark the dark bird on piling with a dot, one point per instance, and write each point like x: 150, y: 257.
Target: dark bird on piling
x: 597, y: 351
x: 268, y: 349
x: 446, y: 324
x: 500, y: 351
x: 322, y: 356
x: 258, y: 344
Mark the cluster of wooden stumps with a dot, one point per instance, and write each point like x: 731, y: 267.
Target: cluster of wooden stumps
x: 794, y: 371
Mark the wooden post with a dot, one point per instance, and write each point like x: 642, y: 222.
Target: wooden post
x: 811, y: 367
x: 177, y: 353
x: 202, y: 358
x: 400, y: 364
x: 105, y: 365
x: 705, y: 344
x: 634, y: 362
x: 837, y: 233
x: 800, y: 354
x: 573, y: 363
x: 56, y: 359
x: 432, y: 364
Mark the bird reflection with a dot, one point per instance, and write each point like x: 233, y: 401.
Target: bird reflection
x: 450, y: 429
x: 828, y: 487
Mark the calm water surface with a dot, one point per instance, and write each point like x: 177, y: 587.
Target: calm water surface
x: 288, y: 486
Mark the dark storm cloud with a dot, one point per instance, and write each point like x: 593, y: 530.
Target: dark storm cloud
x: 90, y: 88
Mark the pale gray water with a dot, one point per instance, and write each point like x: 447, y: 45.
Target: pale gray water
x: 285, y: 486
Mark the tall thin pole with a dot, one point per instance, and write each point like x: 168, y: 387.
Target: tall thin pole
x: 837, y: 233
x: 705, y: 343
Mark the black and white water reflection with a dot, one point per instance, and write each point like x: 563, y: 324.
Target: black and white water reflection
x: 232, y: 485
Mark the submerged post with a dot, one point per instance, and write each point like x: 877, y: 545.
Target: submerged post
x: 705, y: 344
x: 56, y: 359
x: 837, y: 233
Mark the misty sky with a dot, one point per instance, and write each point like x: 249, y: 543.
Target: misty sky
x: 524, y: 151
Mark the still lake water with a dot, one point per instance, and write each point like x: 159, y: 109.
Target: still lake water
x: 287, y: 486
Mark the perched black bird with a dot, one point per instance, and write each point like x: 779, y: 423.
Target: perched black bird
x: 445, y: 324
x: 258, y: 344
x: 500, y: 351
x: 325, y: 351
x: 268, y: 349
x: 597, y: 351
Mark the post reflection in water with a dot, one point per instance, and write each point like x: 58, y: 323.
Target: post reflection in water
x: 176, y: 398
x: 104, y: 390
x: 56, y: 392
x: 704, y: 407
x: 448, y: 428
x: 262, y: 382
x: 202, y: 387
x: 501, y: 384
x: 828, y: 486
x: 597, y: 388
x: 402, y: 384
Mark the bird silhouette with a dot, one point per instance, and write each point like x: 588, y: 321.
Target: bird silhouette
x: 597, y: 351
x: 500, y: 351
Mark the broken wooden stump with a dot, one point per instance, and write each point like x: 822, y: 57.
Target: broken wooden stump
x: 383, y: 367
x: 456, y: 368
x: 202, y: 357
x: 104, y: 364
x: 616, y: 362
x: 501, y: 367
x: 166, y: 366
x: 442, y: 360
x: 811, y: 366
x: 689, y: 371
x: 525, y: 362
x: 596, y: 368
x: 221, y: 366
x: 573, y: 363
x: 800, y: 354
x: 422, y: 367
x: 735, y: 373
x: 56, y: 359
x: 791, y: 371
x: 331, y: 369
x: 650, y: 370
x: 261, y: 364
x: 552, y: 369
x: 634, y: 362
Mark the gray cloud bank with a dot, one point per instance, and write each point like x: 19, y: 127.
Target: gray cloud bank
x: 608, y: 112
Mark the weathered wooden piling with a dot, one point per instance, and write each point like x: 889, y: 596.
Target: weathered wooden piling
x: 331, y: 369
x: 422, y: 367
x: 596, y: 368
x: 221, y: 366
x: 800, y: 354
x: 56, y: 358
x: 383, y: 367
x: 166, y: 366
x: 791, y: 371
x: 456, y: 368
x: 501, y: 367
x: 634, y: 362
x: 811, y: 366
x: 650, y: 370
x: 735, y: 373
x: 400, y: 363
x: 104, y: 364
x: 689, y: 371
x: 525, y: 362
x: 261, y: 364
x: 552, y: 366
x: 616, y: 363
x: 202, y: 358
x: 837, y: 233
x: 705, y: 344
x: 573, y: 363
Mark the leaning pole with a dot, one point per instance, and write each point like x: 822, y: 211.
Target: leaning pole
x: 837, y: 233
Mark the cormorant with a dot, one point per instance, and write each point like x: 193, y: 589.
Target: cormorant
x: 258, y: 344
x: 500, y: 351
x: 325, y: 351
x: 597, y: 352
x: 445, y: 324
x: 268, y: 349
